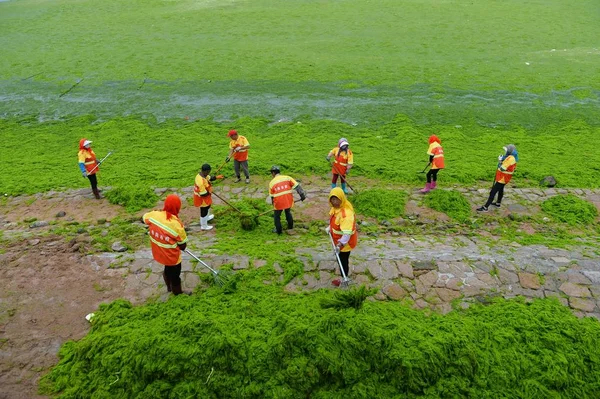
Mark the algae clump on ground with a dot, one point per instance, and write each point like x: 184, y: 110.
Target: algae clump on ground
x: 265, y: 343
x: 570, y: 209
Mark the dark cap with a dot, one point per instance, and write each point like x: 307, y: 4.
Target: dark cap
x: 275, y: 168
x: 206, y: 167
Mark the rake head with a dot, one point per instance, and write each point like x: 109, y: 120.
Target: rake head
x: 223, y: 278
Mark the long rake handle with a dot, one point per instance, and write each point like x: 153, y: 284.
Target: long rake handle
x: 342, y: 176
x: 220, y: 167
x: 100, y: 163
x: 201, y: 262
x: 337, y: 256
x: 232, y: 207
x: 423, y: 171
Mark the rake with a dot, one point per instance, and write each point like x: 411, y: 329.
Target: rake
x: 100, y: 163
x: 423, y: 171
x: 343, y: 178
x: 221, y: 277
x: 345, y: 279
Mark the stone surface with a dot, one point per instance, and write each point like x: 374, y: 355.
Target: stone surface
x: 405, y: 269
x: 587, y: 305
x: 394, y: 291
x: 61, y: 214
x: 424, y: 265
x: 575, y: 290
x: 39, y: 223
x: 530, y: 280
x: 117, y: 246
x: 447, y: 295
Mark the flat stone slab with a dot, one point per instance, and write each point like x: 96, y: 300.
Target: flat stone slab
x: 424, y: 265
x: 575, y: 290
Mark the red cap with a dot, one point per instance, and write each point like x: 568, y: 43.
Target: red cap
x: 231, y: 133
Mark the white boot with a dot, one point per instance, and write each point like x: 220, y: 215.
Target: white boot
x: 204, y: 224
x: 210, y: 217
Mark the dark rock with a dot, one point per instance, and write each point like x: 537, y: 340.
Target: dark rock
x: 118, y: 247
x: 424, y: 265
x: 61, y: 214
x: 80, y: 230
x: 548, y: 181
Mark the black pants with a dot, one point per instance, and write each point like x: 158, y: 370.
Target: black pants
x: 93, y: 181
x: 204, y: 211
x: 345, y: 260
x: 172, y: 273
x: 432, y: 174
x: 288, y: 217
x: 497, y: 188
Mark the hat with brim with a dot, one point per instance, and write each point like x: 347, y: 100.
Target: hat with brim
x: 232, y: 133
x: 87, y: 142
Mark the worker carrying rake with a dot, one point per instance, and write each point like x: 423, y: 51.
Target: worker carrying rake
x: 202, y: 195
x: 238, y: 148
x: 436, y: 160
x: 507, y: 164
x: 168, y: 239
x: 343, y: 160
x: 281, y: 191
x: 342, y: 229
x: 88, y: 164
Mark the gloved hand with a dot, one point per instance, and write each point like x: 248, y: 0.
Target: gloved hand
x: 84, y: 174
x: 302, y: 197
x: 500, y: 157
x: 327, y: 158
x: 236, y: 149
x: 328, y: 229
x: 338, y: 248
x: 227, y: 159
x: 220, y: 177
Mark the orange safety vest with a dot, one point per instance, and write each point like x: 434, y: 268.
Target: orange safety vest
x: 504, y: 176
x: 438, y: 157
x: 280, y: 189
x: 337, y: 233
x: 202, y: 186
x: 241, y: 155
x: 340, y: 161
x: 165, y: 237
x: 90, y: 160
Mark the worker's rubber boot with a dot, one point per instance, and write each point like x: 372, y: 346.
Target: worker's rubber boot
x: 210, y: 217
x: 96, y: 193
x: 167, y: 282
x: 344, y: 188
x: 433, y: 185
x: 333, y: 185
x: 204, y: 224
x: 426, y: 189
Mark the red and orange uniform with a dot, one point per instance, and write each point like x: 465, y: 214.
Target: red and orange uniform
x: 280, y: 189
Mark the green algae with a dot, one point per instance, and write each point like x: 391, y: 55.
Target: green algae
x: 264, y: 343
x: 133, y: 198
x: 379, y: 203
x: 570, y: 209
x: 450, y: 202
x: 160, y: 155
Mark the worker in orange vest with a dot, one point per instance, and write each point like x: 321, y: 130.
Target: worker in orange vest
x: 168, y: 239
x: 280, y: 189
x: 342, y: 227
x: 343, y: 161
x: 202, y: 195
x: 88, y: 164
x: 238, y: 147
x: 436, y: 160
x: 507, y: 164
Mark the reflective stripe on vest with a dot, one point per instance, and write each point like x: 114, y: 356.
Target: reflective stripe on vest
x: 439, y: 156
x: 281, y: 193
x: 162, y: 245
x: 162, y: 226
x: 340, y: 232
